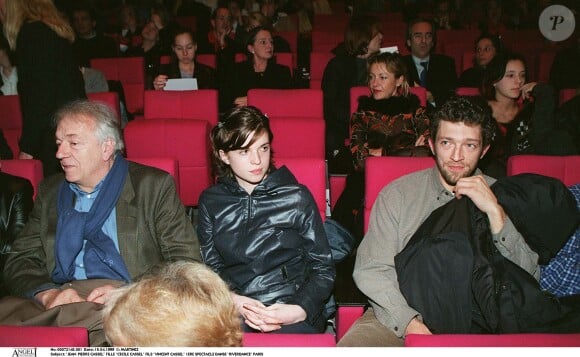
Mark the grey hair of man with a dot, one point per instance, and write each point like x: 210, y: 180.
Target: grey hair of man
x: 106, y: 121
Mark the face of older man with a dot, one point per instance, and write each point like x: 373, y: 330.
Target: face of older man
x: 85, y: 159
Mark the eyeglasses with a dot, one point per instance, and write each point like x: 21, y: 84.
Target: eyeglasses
x: 484, y: 49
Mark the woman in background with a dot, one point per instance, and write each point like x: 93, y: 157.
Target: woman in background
x: 389, y: 122
x: 184, y: 65
x: 48, y: 75
x: 525, y: 114
x: 486, y: 48
x: 261, y: 231
x: 260, y: 70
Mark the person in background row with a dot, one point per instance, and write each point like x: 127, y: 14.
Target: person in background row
x: 486, y: 48
x: 435, y: 72
x: 525, y: 113
x: 48, y: 73
x: 129, y: 32
x: 102, y: 224
x: 390, y: 122
x: 90, y: 42
x: 8, y: 72
x: 184, y: 65
x: 150, y: 312
x: 461, y: 131
x: 362, y: 38
x: 261, y: 231
x: 151, y: 51
x: 260, y: 70
x: 257, y: 19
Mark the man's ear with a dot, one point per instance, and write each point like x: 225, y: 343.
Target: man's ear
x: 108, y: 148
x: 224, y: 157
x: 485, y: 149
x: 431, y: 146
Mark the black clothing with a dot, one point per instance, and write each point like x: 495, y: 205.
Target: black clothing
x: 479, y: 290
x: 5, y: 151
x: 341, y: 73
x: 100, y: 46
x: 565, y: 71
x: 269, y: 245
x: 441, y: 77
x: 206, y: 76
x: 48, y: 77
x: 472, y: 77
x: 151, y: 58
x: 15, y: 206
x: 276, y: 76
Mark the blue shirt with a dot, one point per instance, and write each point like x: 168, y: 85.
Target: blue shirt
x: 83, y: 203
x: 561, y: 276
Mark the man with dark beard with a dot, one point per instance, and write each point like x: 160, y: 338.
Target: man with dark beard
x: 461, y: 132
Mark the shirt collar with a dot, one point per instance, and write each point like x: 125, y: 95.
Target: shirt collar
x: 418, y: 60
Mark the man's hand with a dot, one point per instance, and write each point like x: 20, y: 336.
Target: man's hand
x: 274, y: 316
x: 417, y: 327
x: 101, y: 294
x: 476, y: 188
x: 55, y: 297
x: 241, y: 101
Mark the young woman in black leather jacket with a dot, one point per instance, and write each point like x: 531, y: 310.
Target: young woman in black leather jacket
x: 261, y: 231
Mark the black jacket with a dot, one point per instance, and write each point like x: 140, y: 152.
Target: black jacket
x: 441, y: 76
x: 452, y: 273
x: 15, y: 206
x: 270, y: 245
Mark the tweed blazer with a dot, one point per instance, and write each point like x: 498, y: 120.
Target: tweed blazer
x: 152, y: 227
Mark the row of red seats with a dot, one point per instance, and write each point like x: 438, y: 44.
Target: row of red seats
x: 380, y: 172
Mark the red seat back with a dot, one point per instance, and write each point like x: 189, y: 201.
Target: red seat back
x: 564, y: 168
x: 166, y: 164
x: 326, y: 40
x: 11, y: 121
x: 186, y: 141
x: 299, y: 103
x: 567, y: 94
x: 380, y: 171
x: 43, y: 336
x: 209, y: 59
x: 29, y: 169
x: 311, y: 172
x: 199, y: 104
x: 291, y: 37
x: 130, y: 71
x: 109, y: 98
x: 287, y: 130
x: 467, y: 91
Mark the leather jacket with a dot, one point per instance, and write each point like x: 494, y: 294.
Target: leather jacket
x: 269, y: 245
x: 15, y: 206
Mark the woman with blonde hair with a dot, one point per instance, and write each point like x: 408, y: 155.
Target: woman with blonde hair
x: 48, y: 75
x: 389, y: 122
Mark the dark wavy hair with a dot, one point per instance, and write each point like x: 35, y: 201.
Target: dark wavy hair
x: 496, y: 71
x: 232, y: 132
x: 470, y: 110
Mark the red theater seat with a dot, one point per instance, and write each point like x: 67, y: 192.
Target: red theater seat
x: 186, y: 141
x: 43, y: 336
x: 311, y: 173
x: 166, y: 164
x: 381, y: 171
x: 199, y: 104
x: 345, y: 318
x: 287, y: 131
x: 11, y: 121
x: 298, y: 103
x: 565, y: 168
x: 130, y: 71
x: 467, y: 91
x: 109, y: 98
x: 29, y: 169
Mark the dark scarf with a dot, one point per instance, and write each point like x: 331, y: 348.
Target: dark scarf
x: 101, y: 259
